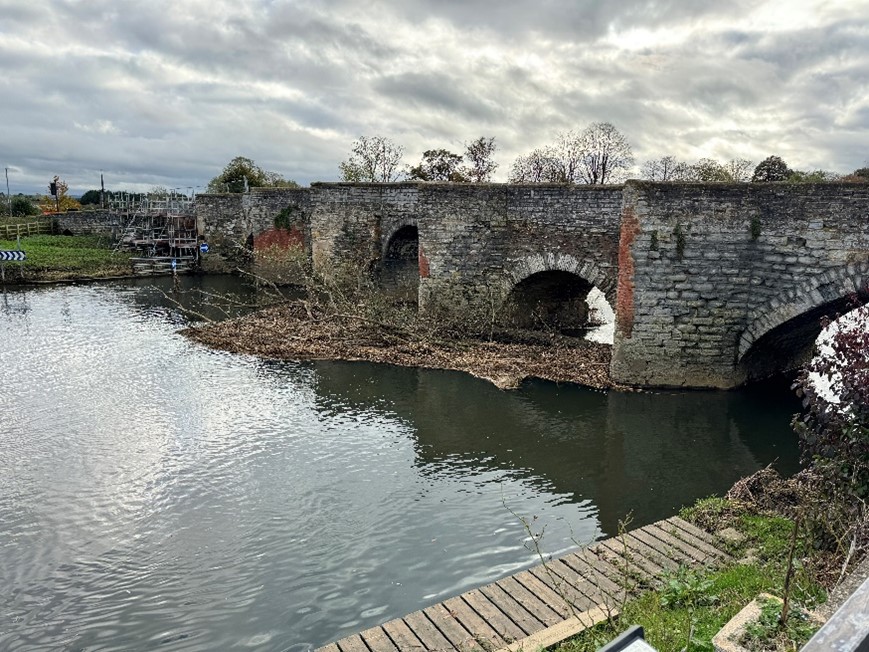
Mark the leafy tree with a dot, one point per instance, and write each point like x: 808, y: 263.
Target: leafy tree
x: 438, y: 165
x: 62, y: 202
x: 772, y: 168
x: 374, y: 159
x: 22, y: 206
x: 605, y: 154
x: 860, y: 175
x: 241, y: 168
x: 91, y: 197
x: 480, y: 164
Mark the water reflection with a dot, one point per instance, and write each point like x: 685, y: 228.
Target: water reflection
x: 642, y: 453
x: 155, y: 493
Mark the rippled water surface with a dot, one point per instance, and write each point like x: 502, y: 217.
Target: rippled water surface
x: 155, y: 494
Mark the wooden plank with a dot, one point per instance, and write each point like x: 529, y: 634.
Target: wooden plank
x: 352, y: 644
x: 478, y: 628
x: 512, y: 609
x: 332, y: 647
x: 452, y: 629
x: 506, y: 628
x: 430, y: 636
x: 561, y: 603
x: 400, y: 633
x: 639, y: 566
x: 602, y: 575
x: 580, y: 579
x: 562, y: 587
x: 550, y: 636
x: 378, y: 641
x: 533, y: 605
x: 685, y: 531
x: 666, y: 562
x: 703, y: 535
x: 676, y: 556
x: 698, y: 556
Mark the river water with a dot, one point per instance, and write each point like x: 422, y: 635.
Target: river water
x: 158, y: 495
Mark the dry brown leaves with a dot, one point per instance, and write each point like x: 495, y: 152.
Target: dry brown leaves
x: 288, y: 332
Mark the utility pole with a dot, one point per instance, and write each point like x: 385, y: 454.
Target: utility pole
x: 102, y: 192
x: 8, y: 196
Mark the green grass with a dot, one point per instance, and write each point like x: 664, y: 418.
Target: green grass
x: 692, y: 605
x: 52, y: 257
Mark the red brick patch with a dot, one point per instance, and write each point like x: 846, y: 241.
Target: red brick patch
x: 279, y: 238
x: 625, y: 297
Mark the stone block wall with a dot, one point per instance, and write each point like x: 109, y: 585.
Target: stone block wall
x: 708, y: 273
x: 95, y: 222
x: 484, y: 239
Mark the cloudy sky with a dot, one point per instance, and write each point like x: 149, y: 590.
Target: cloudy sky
x: 166, y: 93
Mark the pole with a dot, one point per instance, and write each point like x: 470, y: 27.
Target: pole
x: 8, y: 196
x: 102, y: 192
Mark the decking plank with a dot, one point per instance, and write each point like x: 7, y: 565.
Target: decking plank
x: 401, y: 635
x: 666, y: 562
x: 479, y: 629
x: 352, y: 644
x: 534, y: 605
x: 646, y: 567
x: 452, y: 628
x: 430, y: 636
x: 664, y: 549
x: 684, y: 530
x: 512, y: 609
x: 581, y: 577
x: 555, y: 600
x: 506, y: 628
x: 621, y: 552
x: 698, y: 556
x: 608, y: 578
x: 698, y: 533
x: 378, y: 641
x: 562, y: 587
x: 332, y: 647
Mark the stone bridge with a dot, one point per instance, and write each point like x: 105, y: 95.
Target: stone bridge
x: 713, y: 285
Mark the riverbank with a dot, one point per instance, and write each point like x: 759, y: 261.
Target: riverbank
x: 60, y: 258
x: 289, y: 332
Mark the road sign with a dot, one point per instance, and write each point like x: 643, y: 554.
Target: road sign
x: 174, y: 264
x: 12, y: 255
x: 204, y: 247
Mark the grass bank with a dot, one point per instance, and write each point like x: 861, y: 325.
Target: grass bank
x: 61, y: 257
x: 764, y: 522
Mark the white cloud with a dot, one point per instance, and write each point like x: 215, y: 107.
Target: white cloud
x: 165, y: 93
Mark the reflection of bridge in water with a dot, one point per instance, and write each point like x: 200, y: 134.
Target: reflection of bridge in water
x: 645, y: 454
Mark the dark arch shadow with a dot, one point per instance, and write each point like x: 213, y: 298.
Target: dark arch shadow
x: 550, y: 300
x: 790, y: 344
x: 399, y: 272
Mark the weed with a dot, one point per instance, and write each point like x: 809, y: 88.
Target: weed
x: 685, y: 587
x: 768, y: 632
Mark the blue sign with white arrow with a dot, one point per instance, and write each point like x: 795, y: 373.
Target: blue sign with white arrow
x: 12, y: 255
x: 204, y: 247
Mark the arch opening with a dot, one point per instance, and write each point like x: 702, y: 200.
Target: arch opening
x: 789, y: 345
x: 400, y: 264
x: 554, y: 301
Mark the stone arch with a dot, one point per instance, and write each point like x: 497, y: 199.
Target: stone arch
x: 399, y: 262
x: 793, y: 318
x: 551, y: 290
x: 587, y: 270
x: 388, y: 239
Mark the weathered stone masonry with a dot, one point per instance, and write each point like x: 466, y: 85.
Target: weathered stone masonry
x: 712, y: 284
x: 729, y: 281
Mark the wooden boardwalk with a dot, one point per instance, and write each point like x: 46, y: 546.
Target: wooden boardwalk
x: 548, y: 602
